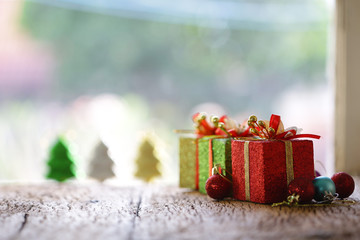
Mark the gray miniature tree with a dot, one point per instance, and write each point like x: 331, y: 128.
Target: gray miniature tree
x: 101, y: 164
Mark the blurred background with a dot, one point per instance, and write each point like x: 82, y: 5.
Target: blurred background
x: 121, y: 70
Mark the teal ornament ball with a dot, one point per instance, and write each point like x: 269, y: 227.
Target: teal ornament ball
x: 323, y: 186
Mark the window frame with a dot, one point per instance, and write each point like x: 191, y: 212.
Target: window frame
x: 347, y: 84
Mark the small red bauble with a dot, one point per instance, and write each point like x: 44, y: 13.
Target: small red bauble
x: 302, y: 187
x: 218, y: 187
x: 344, y: 184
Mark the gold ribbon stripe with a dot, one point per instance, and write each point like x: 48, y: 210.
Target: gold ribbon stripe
x: 289, y: 162
x: 289, y: 166
x: 246, y: 167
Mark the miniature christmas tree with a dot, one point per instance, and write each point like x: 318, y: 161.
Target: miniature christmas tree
x: 101, y: 164
x: 146, y: 162
x: 61, y: 163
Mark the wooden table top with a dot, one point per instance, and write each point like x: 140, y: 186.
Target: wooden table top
x: 101, y: 211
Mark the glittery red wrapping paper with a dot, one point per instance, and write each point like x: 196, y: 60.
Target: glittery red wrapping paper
x: 267, y: 168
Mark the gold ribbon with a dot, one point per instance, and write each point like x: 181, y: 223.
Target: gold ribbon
x: 289, y: 162
x: 246, y: 167
x: 289, y: 166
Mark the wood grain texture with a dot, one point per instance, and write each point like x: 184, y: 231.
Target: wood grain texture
x: 99, y: 211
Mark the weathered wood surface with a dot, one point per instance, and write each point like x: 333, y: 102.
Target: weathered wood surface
x: 99, y: 211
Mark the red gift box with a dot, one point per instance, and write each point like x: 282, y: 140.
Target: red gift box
x: 262, y: 169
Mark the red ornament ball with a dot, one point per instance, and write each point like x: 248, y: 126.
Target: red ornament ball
x: 344, y: 184
x: 218, y: 187
x: 302, y: 187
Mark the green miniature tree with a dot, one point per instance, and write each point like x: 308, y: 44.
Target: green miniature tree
x: 61, y: 164
x: 146, y: 162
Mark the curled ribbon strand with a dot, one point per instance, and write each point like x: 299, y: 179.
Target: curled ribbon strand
x: 223, y: 126
x: 226, y: 127
x: 274, y: 131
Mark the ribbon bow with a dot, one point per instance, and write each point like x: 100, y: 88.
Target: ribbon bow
x: 274, y: 129
x: 223, y: 126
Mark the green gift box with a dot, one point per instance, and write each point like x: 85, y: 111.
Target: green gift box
x: 187, y: 153
x: 213, y: 150
x: 199, y: 155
